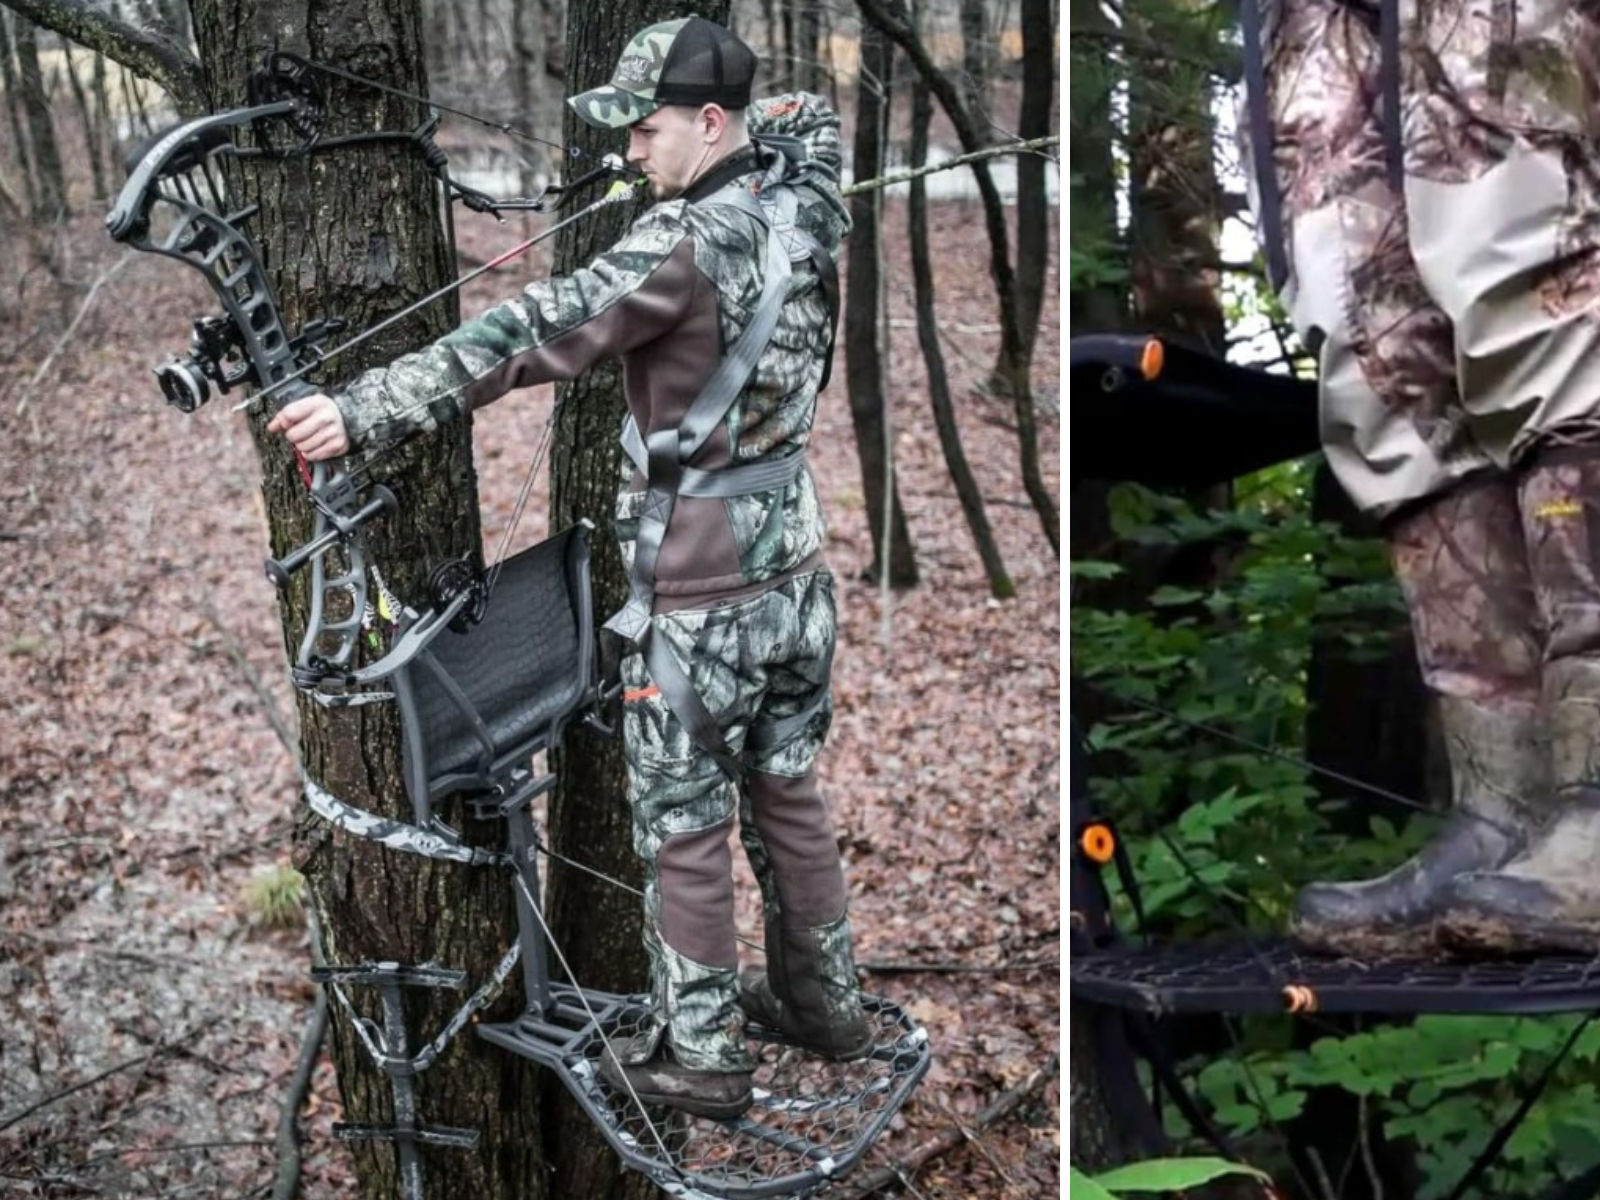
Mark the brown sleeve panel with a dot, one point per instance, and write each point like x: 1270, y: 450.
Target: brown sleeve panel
x: 634, y: 319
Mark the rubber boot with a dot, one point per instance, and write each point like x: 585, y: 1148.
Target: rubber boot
x: 1496, y: 759
x: 1548, y: 897
x: 1462, y: 562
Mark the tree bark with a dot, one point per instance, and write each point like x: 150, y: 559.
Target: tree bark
x: 891, y: 18
x: 149, y: 53
x: 1033, y: 202
x: 109, y: 142
x: 863, y: 347
x: 52, y: 198
x: 598, y: 925
x: 944, y: 417
x: 355, y: 232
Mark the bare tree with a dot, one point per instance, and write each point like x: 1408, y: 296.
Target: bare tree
x: 944, y: 417
x: 863, y: 346
x: 975, y: 55
x: 51, y: 203
x: 1034, y: 216
x: 148, y: 51
x: 14, y: 109
x: 892, y: 18
x: 91, y: 135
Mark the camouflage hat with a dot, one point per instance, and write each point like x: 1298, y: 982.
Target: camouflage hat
x: 687, y: 61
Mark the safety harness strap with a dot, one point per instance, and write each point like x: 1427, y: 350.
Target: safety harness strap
x: 663, y: 457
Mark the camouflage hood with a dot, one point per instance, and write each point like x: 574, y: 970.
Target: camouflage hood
x: 810, y: 120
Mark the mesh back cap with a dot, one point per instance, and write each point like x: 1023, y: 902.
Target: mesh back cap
x: 688, y: 61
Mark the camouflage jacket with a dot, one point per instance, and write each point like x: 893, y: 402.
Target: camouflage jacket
x: 667, y: 300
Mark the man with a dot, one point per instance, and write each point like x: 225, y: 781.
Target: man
x: 720, y: 302
x: 1429, y: 194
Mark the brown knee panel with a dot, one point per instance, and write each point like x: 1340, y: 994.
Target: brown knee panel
x: 694, y: 878
x: 795, y: 829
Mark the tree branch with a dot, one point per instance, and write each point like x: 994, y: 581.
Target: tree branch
x: 150, y: 53
x: 1002, y: 1107
x: 1031, y: 146
x: 286, y: 1186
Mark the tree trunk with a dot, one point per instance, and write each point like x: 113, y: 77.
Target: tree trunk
x: 1034, y: 218
x: 110, y: 144
x: 975, y: 57
x: 19, y: 138
x: 91, y: 139
x: 1173, y: 197
x: 52, y: 199
x: 808, y: 75
x: 531, y: 87
x: 863, y: 347
x: 1097, y: 300
x: 891, y: 18
x: 371, y: 214
x: 776, y: 71
x: 597, y: 925
x: 944, y: 417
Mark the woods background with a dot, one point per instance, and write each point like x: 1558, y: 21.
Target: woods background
x: 155, y: 860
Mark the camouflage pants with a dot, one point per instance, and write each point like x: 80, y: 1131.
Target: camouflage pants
x: 1500, y: 577
x: 1453, y: 318
x: 752, y: 662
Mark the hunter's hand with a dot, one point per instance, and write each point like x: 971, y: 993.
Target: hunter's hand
x: 315, y: 426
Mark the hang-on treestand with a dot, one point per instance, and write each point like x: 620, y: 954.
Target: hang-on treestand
x: 486, y: 679
x: 1220, y: 421
x: 477, y: 705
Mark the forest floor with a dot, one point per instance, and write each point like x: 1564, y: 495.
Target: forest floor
x: 151, y: 1017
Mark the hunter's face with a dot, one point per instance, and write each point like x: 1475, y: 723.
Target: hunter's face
x: 671, y: 146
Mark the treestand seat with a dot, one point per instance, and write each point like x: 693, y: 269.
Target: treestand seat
x: 478, y: 704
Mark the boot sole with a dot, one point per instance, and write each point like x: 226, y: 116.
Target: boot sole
x: 1507, y: 936
x: 730, y: 1111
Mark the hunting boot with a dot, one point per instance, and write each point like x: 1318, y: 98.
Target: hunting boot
x: 1462, y: 564
x: 808, y: 991
x: 1495, y: 760
x: 692, y: 1056
x: 1548, y: 897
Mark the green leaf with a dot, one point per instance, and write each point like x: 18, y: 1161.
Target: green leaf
x: 1092, y: 569
x: 1166, y: 597
x: 1078, y: 1182
x: 1172, y: 1174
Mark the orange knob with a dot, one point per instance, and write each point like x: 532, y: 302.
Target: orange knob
x: 1098, y: 843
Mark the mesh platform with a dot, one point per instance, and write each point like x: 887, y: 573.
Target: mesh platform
x: 1247, y: 977
x: 812, y: 1119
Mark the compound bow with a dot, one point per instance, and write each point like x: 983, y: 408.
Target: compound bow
x: 175, y: 203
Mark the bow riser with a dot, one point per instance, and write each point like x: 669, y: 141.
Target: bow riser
x: 171, y: 182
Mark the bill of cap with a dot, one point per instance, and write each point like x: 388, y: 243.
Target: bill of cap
x: 610, y: 107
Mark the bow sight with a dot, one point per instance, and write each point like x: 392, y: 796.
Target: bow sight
x: 216, y: 353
